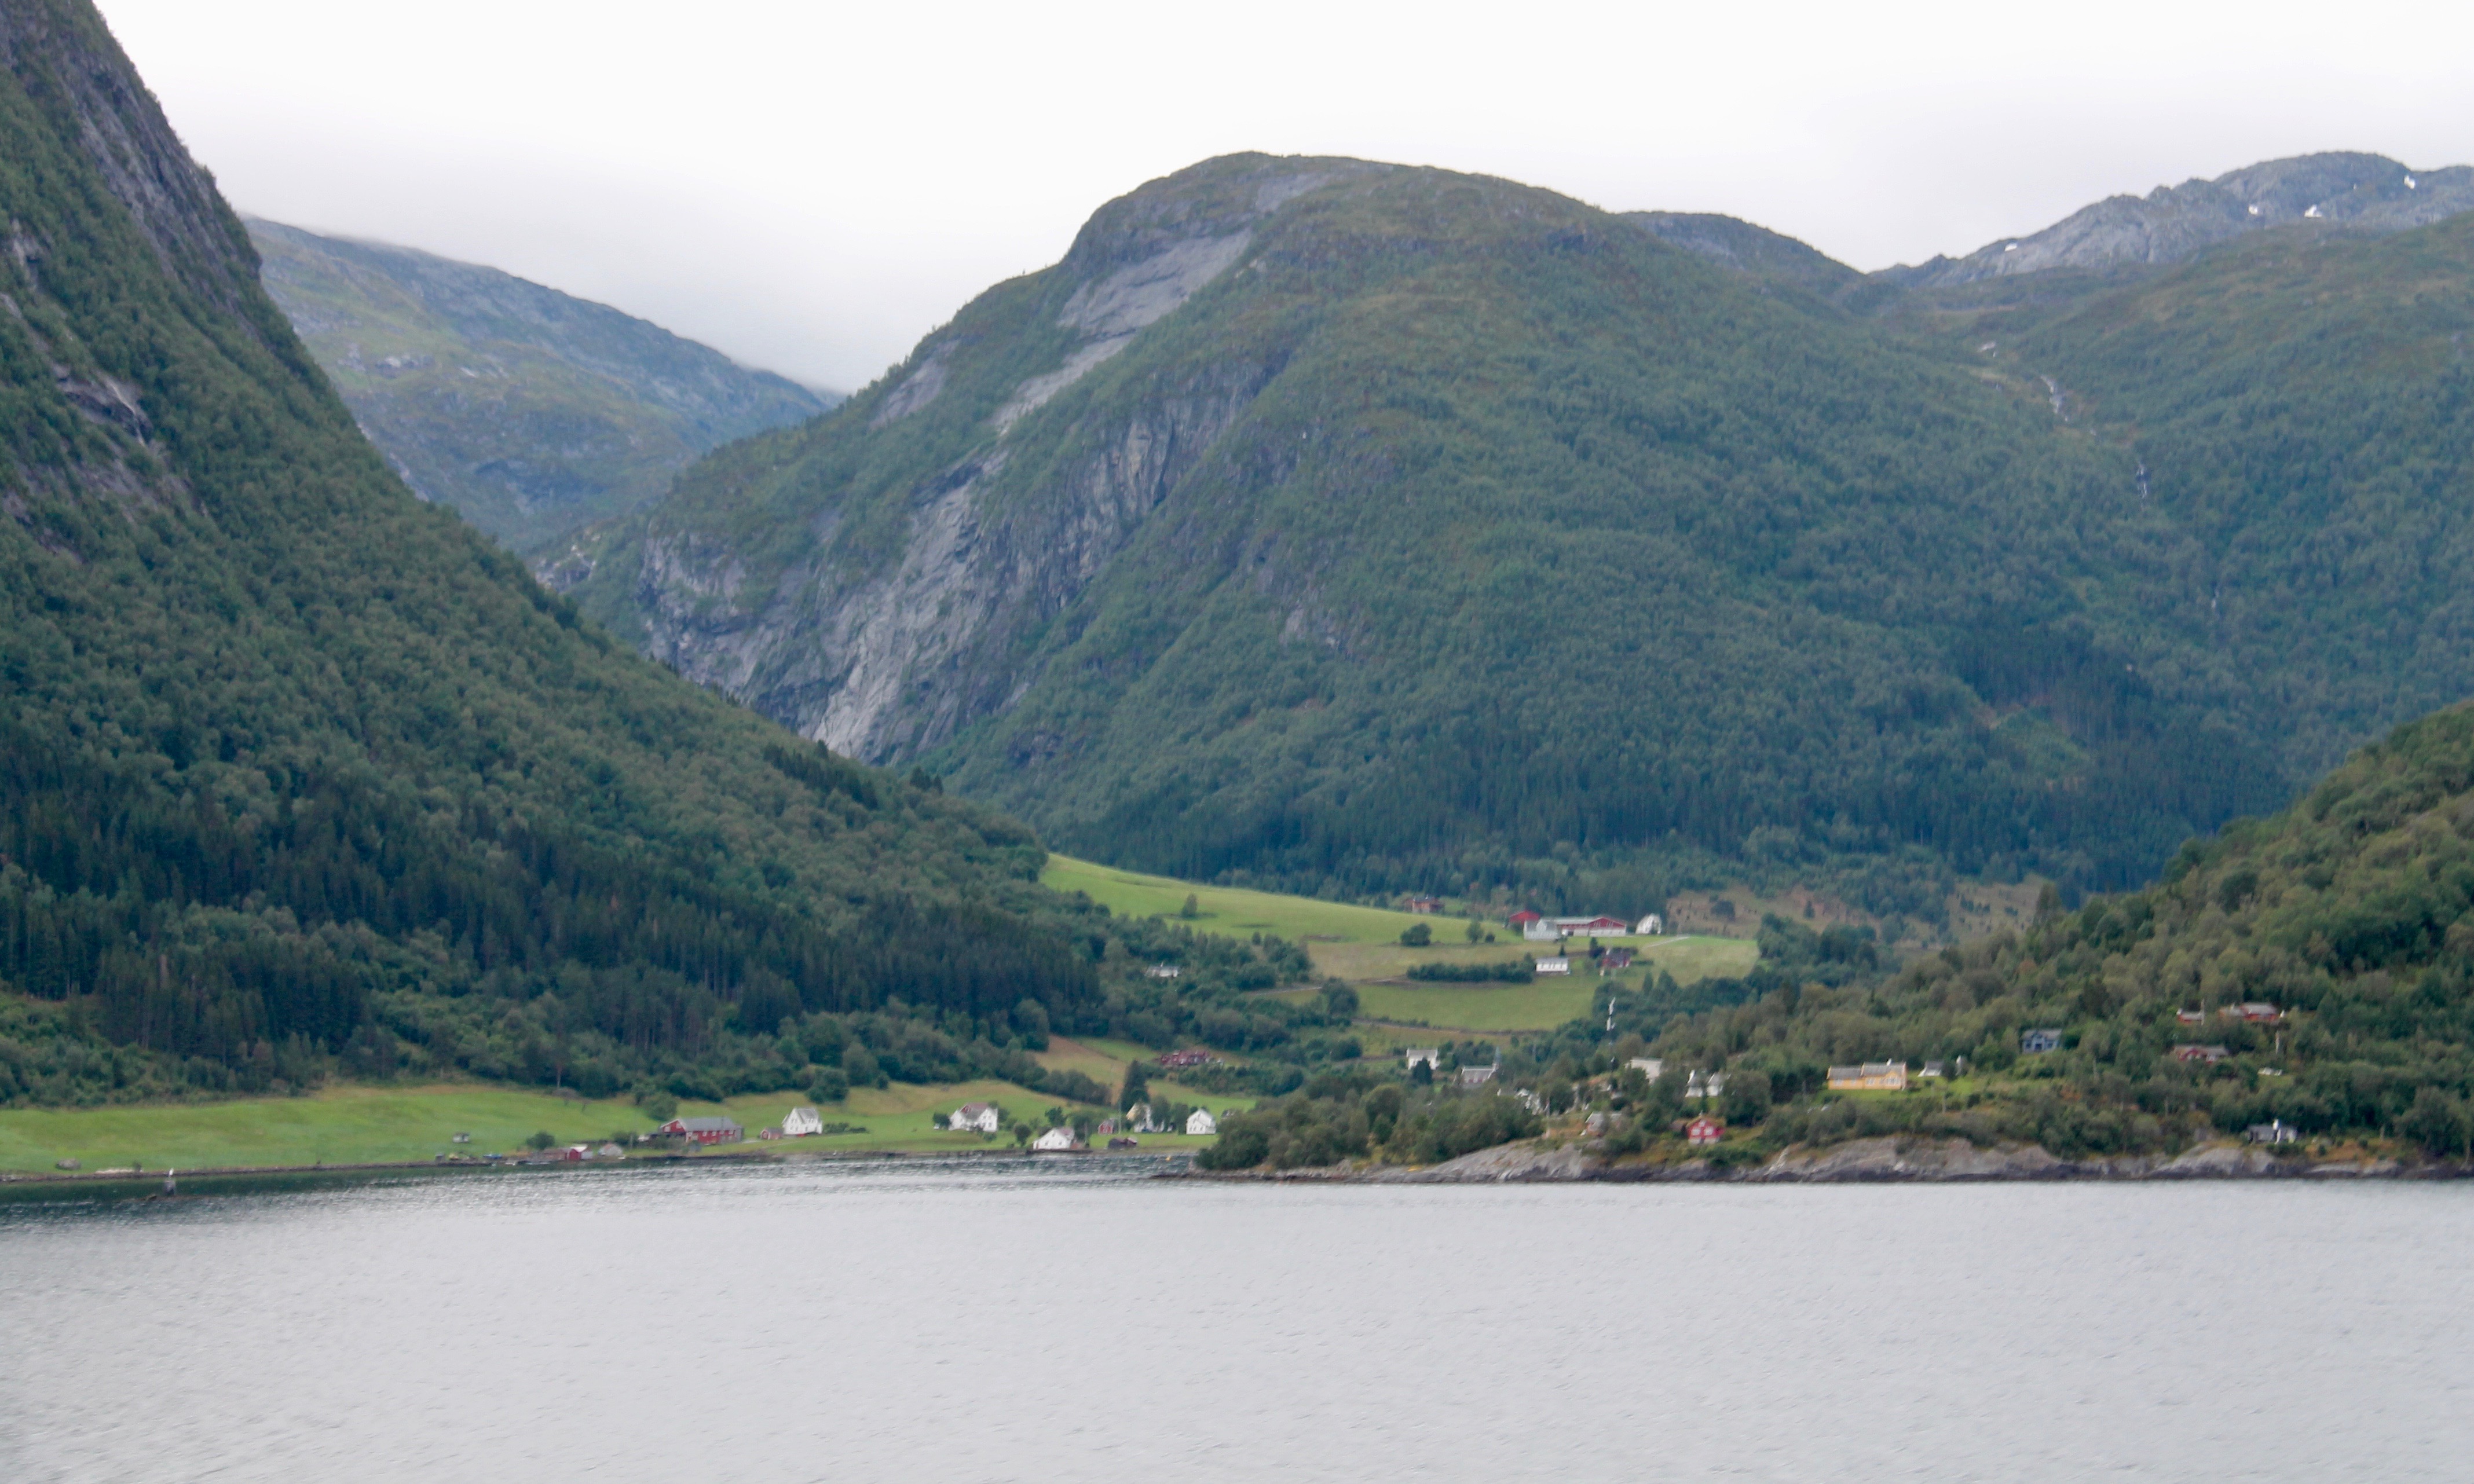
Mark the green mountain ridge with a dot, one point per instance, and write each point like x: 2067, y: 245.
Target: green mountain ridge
x: 1356, y: 527
x: 529, y: 411
x: 301, y: 776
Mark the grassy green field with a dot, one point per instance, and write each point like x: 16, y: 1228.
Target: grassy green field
x: 1234, y: 911
x: 354, y: 1125
x: 363, y: 1125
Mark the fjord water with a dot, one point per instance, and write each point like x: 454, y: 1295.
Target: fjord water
x: 810, y: 1323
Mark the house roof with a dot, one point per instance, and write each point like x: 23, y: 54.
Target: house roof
x: 708, y: 1125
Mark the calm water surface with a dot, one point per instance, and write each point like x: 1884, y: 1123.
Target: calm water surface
x: 934, y: 1325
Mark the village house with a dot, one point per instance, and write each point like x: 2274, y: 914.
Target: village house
x: 1424, y: 904
x: 1431, y: 1056
x: 461, y: 1138
x: 2210, y: 1055
x: 613, y: 1151
x: 975, y: 1117
x: 1695, y: 1087
x: 1870, y: 1077
x: 2253, y: 1012
x: 1615, y: 961
x: 1476, y: 1076
x: 2275, y: 1131
x: 1931, y: 1069
x: 1177, y: 1060
x: 705, y: 1130
x: 1647, y: 1066
x: 2189, y: 1018
x: 1703, y: 1130
x: 1553, y: 966
x: 1650, y: 925
x: 801, y: 1121
x: 2044, y: 1038
x: 1201, y: 1123
x: 1163, y: 971
x: 1140, y: 1119
x: 1054, y: 1140
x: 1528, y: 1098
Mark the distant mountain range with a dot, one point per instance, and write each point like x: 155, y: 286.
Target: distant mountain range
x: 530, y: 411
x: 1362, y: 527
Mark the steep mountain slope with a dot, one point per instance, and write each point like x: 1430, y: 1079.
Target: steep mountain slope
x: 2350, y: 916
x: 529, y: 411
x: 1355, y: 525
x: 294, y: 767
x: 2365, y: 193
x: 2299, y: 404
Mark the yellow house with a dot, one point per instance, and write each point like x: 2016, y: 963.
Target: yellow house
x: 1871, y: 1077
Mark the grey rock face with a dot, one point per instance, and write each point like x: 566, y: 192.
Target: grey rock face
x: 882, y: 661
x: 2362, y: 193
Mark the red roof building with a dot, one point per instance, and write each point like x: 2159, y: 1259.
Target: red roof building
x: 1522, y: 920
x: 1703, y: 1130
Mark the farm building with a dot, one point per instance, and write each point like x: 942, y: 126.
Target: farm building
x: 1476, y: 1076
x: 978, y: 1117
x: 612, y: 1152
x: 1177, y: 1060
x: 2276, y: 1131
x: 2208, y: 1055
x: 1615, y: 961
x: 1578, y: 927
x: 1647, y: 1066
x: 1651, y: 925
x: 1164, y: 971
x: 1426, y: 904
x: 800, y: 1122
x: 1431, y: 1056
x: 1870, y: 1077
x: 1054, y: 1140
x: 2037, y: 1042
x: 1696, y: 1086
x: 2253, y: 1012
x: 705, y: 1130
x: 1553, y: 966
x: 1523, y: 920
x: 1201, y: 1121
x: 1703, y: 1130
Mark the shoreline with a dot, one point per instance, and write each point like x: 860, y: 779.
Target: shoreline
x: 1884, y: 1160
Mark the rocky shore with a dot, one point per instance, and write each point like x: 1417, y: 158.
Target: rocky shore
x: 1885, y: 1159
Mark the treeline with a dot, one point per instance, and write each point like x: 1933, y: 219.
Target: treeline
x: 1510, y: 971
x: 1352, y: 1113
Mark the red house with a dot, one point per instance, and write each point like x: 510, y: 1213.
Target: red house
x: 705, y: 1130
x: 1426, y: 904
x: 2200, y: 1053
x: 1704, y: 1129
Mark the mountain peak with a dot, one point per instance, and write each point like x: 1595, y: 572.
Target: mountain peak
x: 2364, y: 192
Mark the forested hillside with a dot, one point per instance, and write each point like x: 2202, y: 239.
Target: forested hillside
x: 1357, y: 527
x: 300, y: 775
x: 2300, y: 406
x: 2350, y: 916
x: 528, y: 410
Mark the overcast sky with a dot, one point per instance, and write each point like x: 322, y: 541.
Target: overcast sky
x: 811, y: 187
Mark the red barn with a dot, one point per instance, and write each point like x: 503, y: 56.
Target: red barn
x: 705, y: 1130
x: 1522, y: 920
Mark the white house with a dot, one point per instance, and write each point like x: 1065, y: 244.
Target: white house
x: 979, y: 1117
x: 1432, y: 1055
x: 1059, y: 1137
x: 1696, y: 1086
x: 1651, y: 925
x: 1650, y: 1066
x: 1202, y: 1122
x: 800, y: 1122
x: 1164, y: 971
x: 1140, y: 1119
x: 1554, y: 966
x: 1476, y: 1076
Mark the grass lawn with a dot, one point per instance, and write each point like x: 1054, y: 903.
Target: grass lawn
x: 1236, y: 912
x: 352, y: 1125
x: 1540, y: 1004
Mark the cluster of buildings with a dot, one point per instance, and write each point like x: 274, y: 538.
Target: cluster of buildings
x: 1541, y: 929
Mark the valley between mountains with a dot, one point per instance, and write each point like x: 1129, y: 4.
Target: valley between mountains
x: 428, y: 696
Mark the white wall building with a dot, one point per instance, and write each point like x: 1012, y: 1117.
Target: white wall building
x: 1432, y: 1055
x: 1202, y: 1122
x: 1651, y: 925
x: 800, y: 1122
x: 1056, y: 1139
x: 979, y: 1117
